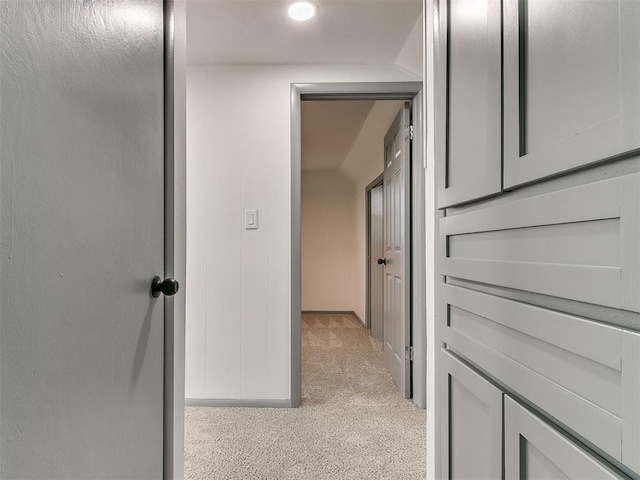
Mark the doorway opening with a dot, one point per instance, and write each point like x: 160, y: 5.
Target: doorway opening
x: 331, y: 221
x: 342, y: 149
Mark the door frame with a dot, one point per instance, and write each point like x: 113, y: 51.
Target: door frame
x: 175, y: 233
x: 376, y: 183
x: 412, y: 91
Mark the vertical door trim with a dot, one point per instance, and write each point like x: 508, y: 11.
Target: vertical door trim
x: 418, y: 255
x: 324, y: 91
x: 175, y: 231
x: 296, y: 245
x: 367, y: 306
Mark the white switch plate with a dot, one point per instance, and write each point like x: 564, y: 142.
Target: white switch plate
x: 251, y: 219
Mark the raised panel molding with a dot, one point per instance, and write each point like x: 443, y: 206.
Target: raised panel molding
x: 631, y: 400
x: 468, y: 100
x: 630, y: 241
x: 533, y: 449
x: 556, y: 56
x: 602, y: 269
x: 568, y: 368
x: 469, y: 444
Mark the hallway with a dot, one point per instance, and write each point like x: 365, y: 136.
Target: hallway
x: 353, y: 422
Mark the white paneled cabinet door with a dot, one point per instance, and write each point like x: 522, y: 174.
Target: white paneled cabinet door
x: 397, y: 257
x: 535, y: 451
x: 82, y: 222
x: 472, y: 416
x: 571, y: 75
x: 468, y: 101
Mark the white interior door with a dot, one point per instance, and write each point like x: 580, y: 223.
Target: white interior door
x: 81, y: 237
x: 397, y: 252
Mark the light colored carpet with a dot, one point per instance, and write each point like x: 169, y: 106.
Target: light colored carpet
x: 353, y: 422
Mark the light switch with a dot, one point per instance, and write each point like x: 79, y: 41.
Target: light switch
x: 251, y: 219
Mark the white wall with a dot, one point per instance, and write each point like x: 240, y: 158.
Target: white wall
x: 328, y: 241
x: 238, y: 282
x: 410, y: 58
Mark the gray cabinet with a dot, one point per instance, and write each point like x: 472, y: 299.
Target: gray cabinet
x: 568, y: 367
x: 536, y: 282
x: 473, y: 412
x: 481, y: 418
x: 534, y: 450
x: 571, y: 75
x: 469, y: 100
x: 556, y: 93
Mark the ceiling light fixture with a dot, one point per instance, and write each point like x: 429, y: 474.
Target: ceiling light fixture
x: 302, y: 10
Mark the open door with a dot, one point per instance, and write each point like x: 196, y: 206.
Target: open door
x: 82, y: 222
x: 397, y: 251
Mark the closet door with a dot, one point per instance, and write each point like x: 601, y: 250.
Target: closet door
x: 571, y: 75
x: 534, y: 450
x: 472, y: 425
x: 469, y: 100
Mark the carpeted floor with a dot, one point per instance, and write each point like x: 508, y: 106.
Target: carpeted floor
x: 353, y: 422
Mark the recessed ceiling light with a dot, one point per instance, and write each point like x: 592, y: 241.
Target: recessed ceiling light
x: 302, y: 10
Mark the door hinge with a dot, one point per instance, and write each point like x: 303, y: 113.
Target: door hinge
x: 408, y: 353
x: 408, y: 132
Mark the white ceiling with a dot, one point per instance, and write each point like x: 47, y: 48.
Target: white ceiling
x: 329, y: 129
x: 237, y: 32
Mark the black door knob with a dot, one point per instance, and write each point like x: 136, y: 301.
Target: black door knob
x: 168, y: 286
x: 382, y: 261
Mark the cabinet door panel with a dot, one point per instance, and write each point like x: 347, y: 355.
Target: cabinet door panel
x: 571, y: 71
x: 470, y: 88
x: 472, y: 437
x: 578, y: 243
x: 566, y: 366
x: 535, y: 451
